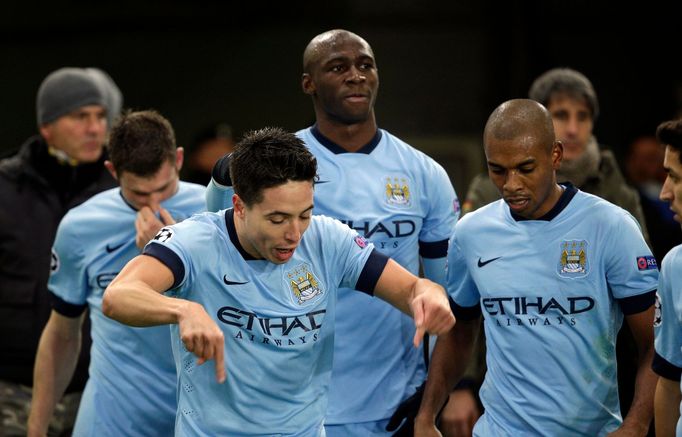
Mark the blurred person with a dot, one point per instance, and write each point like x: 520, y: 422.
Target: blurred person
x: 253, y: 288
x: 644, y: 170
x: 131, y: 389
x: 51, y: 173
x: 393, y: 195
x: 208, y: 146
x: 668, y: 321
x: 554, y: 271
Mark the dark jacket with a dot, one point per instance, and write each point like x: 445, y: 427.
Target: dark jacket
x: 35, y: 193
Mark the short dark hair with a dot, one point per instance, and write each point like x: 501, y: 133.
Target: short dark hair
x: 669, y: 133
x: 564, y: 81
x: 267, y: 158
x: 140, y: 142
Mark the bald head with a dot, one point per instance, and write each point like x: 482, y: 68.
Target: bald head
x: 326, y: 42
x: 521, y: 119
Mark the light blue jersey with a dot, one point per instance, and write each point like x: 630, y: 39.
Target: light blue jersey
x: 277, y: 319
x: 131, y: 389
x: 403, y: 202
x: 553, y: 293
x: 668, y: 320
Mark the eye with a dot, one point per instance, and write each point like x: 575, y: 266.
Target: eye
x: 336, y: 68
x: 366, y: 66
x: 496, y: 170
x: 526, y: 170
x: 276, y: 220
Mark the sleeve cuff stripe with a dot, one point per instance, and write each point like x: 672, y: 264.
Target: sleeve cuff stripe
x: 665, y: 369
x: 435, y: 249
x: 370, y: 274
x: 169, y: 258
x: 465, y: 313
x: 637, y: 304
x: 65, y: 308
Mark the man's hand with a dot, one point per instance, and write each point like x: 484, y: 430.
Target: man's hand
x: 203, y: 337
x: 147, y: 224
x: 431, y: 310
x: 459, y: 414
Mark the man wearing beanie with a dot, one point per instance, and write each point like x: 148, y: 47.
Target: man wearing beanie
x: 51, y: 173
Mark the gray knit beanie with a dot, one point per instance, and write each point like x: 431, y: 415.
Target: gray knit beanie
x: 114, y: 96
x: 66, y: 90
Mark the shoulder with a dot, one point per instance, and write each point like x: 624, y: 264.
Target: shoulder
x: 189, y: 188
x: 672, y: 260
x: 106, y: 205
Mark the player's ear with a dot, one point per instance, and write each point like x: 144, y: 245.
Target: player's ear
x: 109, y: 166
x: 307, y: 84
x: 239, y: 205
x: 179, y: 157
x: 557, y: 154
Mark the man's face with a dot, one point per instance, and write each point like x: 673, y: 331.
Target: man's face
x: 150, y: 191
x: 344, y: 80
x: 80, y: 134
x: 572, y: 123
x: 273, y: 227
x: 523, y: 169
x: 672, y: 187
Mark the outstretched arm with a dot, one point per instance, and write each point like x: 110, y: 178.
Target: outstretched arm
x: 56, y: 360
x: 135, y: 298
x: 420, y: 298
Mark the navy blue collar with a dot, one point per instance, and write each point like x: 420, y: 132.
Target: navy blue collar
x: 232, y: 232
x: 336, y: 149
x: 568, y: 194
x: 126, y: 201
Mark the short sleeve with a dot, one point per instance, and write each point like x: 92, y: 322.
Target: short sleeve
x: 631, y: 268
x: 442, y: 214
x: 460, y: 284
x: 667, y: 319
x: 172, y: 246
x: 68, y: 278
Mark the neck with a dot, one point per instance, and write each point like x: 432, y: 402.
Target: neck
x: 351, y: 137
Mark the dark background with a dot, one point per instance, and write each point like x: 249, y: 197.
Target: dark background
x: 443, y: 65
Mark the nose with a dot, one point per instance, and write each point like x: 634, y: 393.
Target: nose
x: 355, y: 74
x: 572, y: 125
x: 293, y: 232
x: 666, y: 191
x: 512, y: 182
x: 96, y: 124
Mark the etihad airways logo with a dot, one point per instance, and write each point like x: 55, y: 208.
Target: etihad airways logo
x: 536, y: 311
x: 289, y: 330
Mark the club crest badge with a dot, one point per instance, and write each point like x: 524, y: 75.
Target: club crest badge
x: 397, y: 191
x: 573, y: 262
x: 304, y: 284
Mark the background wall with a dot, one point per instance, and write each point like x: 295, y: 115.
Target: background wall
x: 443, y: 65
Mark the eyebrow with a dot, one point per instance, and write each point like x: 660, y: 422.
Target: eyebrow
x: 286, y: 214
x: 520, y: 164
x: 145, y: 193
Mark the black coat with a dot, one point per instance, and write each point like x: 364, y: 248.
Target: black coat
x: 35, y: 193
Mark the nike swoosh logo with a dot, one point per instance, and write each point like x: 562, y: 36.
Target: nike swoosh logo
x: 114, y: 248
x: 228, y: 282
x: 320, y: 182
x: 482, y: 263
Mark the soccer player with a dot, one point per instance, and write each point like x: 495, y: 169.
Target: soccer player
x: 377, y: 185
x: 254, y: 288
x: 554, y: 271
x: 130, y: 391
x: 668, y: 320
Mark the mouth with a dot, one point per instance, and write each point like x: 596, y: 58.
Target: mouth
x: 284, y: 254
x: 357, y: 98
x: 517, y: 203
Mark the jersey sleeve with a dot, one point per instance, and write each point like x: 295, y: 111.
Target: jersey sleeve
x: 358, y: 265
x: 442, y: 213
x: 631, y: 268
x: 219, y: 190
x: 174, y: 246
x: 667, y: 322
x: 68, y: 282
x: 460, y: 284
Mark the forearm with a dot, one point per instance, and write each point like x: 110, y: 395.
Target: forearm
x: 448, y: 363
x: 134, y: 303
x: 667, y: 406
x: 642, y: 408
x: 55, y: 363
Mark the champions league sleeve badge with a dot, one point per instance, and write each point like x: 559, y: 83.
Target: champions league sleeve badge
x: 163, y: 235
x: 658, y: 314
x: 54, y: 262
